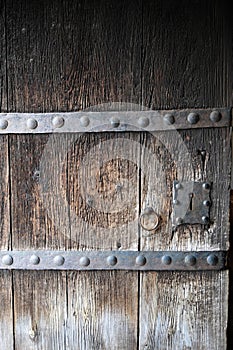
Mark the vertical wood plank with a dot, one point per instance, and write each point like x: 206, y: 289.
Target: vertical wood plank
x: 66, y: 56
x: 187, y: 311
x: 6, y: 320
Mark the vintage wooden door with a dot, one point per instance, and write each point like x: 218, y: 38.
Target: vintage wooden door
x: 86, y: 191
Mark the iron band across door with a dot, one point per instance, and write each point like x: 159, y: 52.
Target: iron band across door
x: 113, y: 260
x: 111, y: 121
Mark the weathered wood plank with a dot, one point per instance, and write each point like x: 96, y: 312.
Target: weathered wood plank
x: 105, y: 316
x: 6, y: 304
x: 190, y: 155
x: 187, y: 311
x: 6, y: 320
x: 66, y: 56
x: 182, y: 68
x: 40, y: 310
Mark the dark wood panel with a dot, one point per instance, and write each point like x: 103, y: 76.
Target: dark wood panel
x: 72, y: 55
x: 6, y: 322
x: 187, y: 56
x: 66, y: 56
x: 187, y: 62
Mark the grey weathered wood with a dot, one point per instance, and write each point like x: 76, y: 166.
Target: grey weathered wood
x: 183, y: 68
x: 187, y: 311
x: 6, y: 304
x: 67, y: 56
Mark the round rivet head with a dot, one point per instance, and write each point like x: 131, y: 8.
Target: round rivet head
x: 205, y: 219
x: 58, y: 122
x: 7, y: 259
x: 193, y: 118
x: 166, y: 260
x: 34, y: 259
x: 84, y: 121
x: 140, y: 260
x: 84, y: 261
x: 215, y: 116
x: 115, y: 122
x: 32, y: 123
x: 175, y: 201
x: 179, y: 221
x: 178, y: 186
x: 206, y: 203
x: 112, y: 260
x: 143, y: 122
x: 59, y: 260
x: 3, y: 124
x: 206, y: 186
x: 190, y: 260
x: 212, y: 260
x: 169, y: 119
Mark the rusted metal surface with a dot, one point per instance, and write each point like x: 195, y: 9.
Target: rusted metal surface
x: 191, y: 203
x: 112, y: 260
x: 150, y: 120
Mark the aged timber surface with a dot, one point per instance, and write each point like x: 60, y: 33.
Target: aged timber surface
x: 6, y: 319
x: 68, y: 56
x: 72, y: 55
x: 186, y: 62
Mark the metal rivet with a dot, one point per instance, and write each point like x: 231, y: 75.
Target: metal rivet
x: 84, y: 121
x: 215, y: 116
x: 84, y: 261
x: 166, y: 260
x: 7, y: 259
x: 140, y: 260
x: 90, y: 201
x: 205, y: 219
x: 3, y: 124
x: 118, y: 187
x: 143, y: 121
x: 206, y: 186
x: 32, y: 123
x: 178, y: 186
x: 179, y: 221
x: 190, y: 260
x: 115, y: 122
x: 112, y: 260
x: 34, y: 259
x: 58, y: 122
x: 175, y: 201
x: 206, y: 203
x: 169, y: 119
x: 193, y: 118
x: 59, y: 260
x: 212, y: 260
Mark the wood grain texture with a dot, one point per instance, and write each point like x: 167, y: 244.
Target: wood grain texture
x: 104, y: 317
x: 188, y: 311
x: 177, y: 156
x: 66, y: 56
x: 40, y: 310
x: 187, y: 58
x: 6, y: 320
x: 187, y: 62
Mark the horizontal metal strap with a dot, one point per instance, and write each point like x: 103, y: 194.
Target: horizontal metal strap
x: 112, y: 260
x: 40, y: 123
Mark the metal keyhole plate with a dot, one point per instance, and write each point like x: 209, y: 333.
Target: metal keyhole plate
x: 149, y: 220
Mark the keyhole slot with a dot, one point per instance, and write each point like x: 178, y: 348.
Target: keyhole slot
x: 191, y: 195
